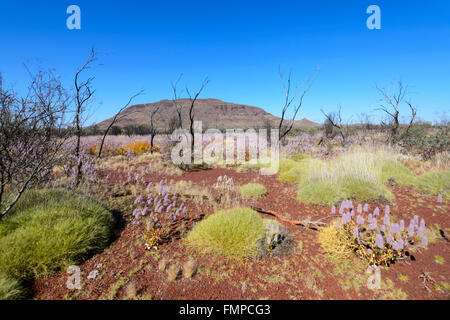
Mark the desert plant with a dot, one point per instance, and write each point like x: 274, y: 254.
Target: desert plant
x: 173, y: 272
x: 190, y: 268
x: 355, y: 175
x: 434, y: 183
x: 11, y: 289
x: 233, y: 233
x: 394, y: 173
x: 51, y: 229
x: 158, y: 207
x: 31, y: 136
x: 376, y: 239
x: 252, y: 190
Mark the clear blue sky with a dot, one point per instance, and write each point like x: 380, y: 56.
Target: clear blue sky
x: 239, y: 45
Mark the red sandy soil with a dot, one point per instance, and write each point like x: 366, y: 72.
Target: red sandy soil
x: 128, y: 270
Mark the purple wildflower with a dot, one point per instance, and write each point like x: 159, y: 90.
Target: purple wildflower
x: 425, y: 241
x: 359, y: 219
x: 359, y: 209
x: 379, y: 242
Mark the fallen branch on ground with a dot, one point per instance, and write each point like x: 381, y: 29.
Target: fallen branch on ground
x: 307, y: 223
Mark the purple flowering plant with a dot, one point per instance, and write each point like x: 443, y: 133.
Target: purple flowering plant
x: 273, y: 235
x: 158, y: 207
x: 378, y: 238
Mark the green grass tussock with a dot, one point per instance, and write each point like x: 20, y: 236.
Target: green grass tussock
x: 321, y: 192
x: 434, y: 183
x: 11, y: 289
x: 392, y: 169
x: 252, y: 190
x: 356, y: 175
x: 51, y: 229
x: 233, y: 233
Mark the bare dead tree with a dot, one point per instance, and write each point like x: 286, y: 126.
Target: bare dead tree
x: 83, y: 92
x: 173, y: 124
x: 333, y: 120
x: 116, y: 118
x: 153, y: 129
x: 31, y: 136
x: 285, y: 128
x: 390, y: 104
x: 193, y: 98
x: 176, y: 103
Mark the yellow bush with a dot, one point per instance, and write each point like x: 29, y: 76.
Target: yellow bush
x: 138, y: 147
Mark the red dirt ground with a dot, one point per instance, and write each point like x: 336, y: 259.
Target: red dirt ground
x: 128, y: 270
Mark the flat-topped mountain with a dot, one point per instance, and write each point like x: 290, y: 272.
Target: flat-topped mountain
x: 212, y: 112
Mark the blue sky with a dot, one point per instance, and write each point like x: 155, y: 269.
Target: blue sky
x: 239, y: 46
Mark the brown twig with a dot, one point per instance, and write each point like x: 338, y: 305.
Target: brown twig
x: 313, y: 225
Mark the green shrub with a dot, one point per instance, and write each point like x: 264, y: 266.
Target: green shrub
x: 434, y: 183
x: 399, y: 173
x: 234, y: 233
x: 10, y: 289
x: 252, y: 190
x: 51, y: 229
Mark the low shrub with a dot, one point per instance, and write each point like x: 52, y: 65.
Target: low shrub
x: 158, y: 207
x: 252, y: 190
x: 234, y: 233
x: 51, y: 229
x: 134, y: 147
x: 375, y: 239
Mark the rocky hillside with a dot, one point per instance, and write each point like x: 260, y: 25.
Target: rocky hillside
x: 212, y: 112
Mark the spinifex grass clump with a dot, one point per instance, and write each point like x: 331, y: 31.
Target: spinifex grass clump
x: 252, y: 190
x: 374, y: 238
x: 234, y: 233
x: 157, y: 207
x: 10, y: 289
x: 356, y: 175
x: 239, y: 233
x: 434, y: 183
x: 49, y: 230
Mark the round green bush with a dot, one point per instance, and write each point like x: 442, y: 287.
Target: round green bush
x: 51, y: 229
x: 252, y: 190
x: 234, y: 233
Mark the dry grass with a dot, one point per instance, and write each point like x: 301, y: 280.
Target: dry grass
x: 190, y: 268
x: 162, y: 264
x: 173, y: 272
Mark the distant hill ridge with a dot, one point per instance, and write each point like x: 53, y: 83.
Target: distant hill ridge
x: 213, y: 113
